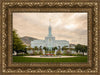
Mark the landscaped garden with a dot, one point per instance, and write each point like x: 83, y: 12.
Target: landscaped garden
x: 23, y: 53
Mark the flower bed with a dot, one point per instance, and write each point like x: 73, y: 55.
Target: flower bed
x: 49, y: 54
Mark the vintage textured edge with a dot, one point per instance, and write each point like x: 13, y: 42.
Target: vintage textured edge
x: 95, y: 40
x: 45, y: 64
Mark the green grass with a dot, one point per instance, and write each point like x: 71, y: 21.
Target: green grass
x: 27, y: 59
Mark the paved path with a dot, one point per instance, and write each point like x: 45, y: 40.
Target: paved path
x: 50, y: 56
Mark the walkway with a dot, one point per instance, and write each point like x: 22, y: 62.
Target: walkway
x: 50, y: 56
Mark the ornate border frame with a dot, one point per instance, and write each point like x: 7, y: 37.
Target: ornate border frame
x: 8, y: 7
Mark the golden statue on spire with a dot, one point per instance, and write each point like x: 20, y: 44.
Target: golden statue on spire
x: 49, y: 21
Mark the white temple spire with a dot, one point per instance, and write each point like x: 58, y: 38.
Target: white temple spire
x: 50, y: 29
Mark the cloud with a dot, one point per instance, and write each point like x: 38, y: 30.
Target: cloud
x: 65, y: 26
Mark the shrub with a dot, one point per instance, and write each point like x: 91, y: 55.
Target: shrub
x: 35, y: 53
x: 58, y: 53
x: 67, y: 52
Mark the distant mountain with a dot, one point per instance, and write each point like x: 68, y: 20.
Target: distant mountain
x: 27, y: 40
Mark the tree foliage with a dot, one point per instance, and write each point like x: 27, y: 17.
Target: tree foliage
x: 17, y: 43
x: 81, y: 48
x: 36, y: 48
x: 65, y: 48
x: 54, y: 48
x: 44, y: 48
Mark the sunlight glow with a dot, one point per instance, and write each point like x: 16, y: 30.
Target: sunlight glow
x: 70, y: 27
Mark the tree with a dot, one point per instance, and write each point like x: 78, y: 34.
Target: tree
x: 40, y: 47
x: 40, y: 52
x: 33, y: 50
x: 44, y: 48
x: 64, y: 48
x: 36, y: 48
x: 81, y: 48
x: 84, y: 49
x: 78, y: 47
x: 54, y: 48
x: 18, y: 45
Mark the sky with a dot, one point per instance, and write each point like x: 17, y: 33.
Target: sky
x: 65, y: 26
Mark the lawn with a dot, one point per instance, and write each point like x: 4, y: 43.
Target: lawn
x: 27, y: 59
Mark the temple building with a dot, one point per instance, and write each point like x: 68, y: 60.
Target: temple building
x: 49, y: 41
